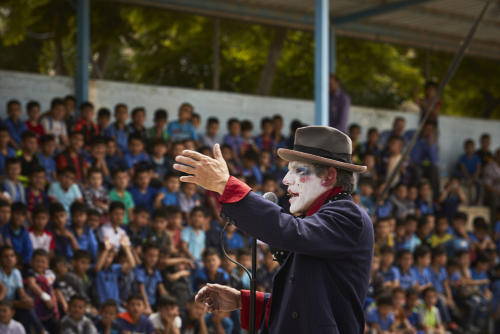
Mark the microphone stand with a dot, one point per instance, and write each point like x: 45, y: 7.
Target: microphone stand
x: 253, y: 287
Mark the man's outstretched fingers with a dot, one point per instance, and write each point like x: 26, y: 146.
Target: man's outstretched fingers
x: 193, y: 154
x: 186, y: 160
x: 184, y: 168
x: 188, y: 178
x: 217, y: 152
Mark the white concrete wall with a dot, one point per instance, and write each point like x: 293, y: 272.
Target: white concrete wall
x: 24, y: 87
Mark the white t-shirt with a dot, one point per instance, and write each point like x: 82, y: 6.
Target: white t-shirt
x: 55, y: 128
x: 114, y: 236
x: 43, y: 241
x: 13, y: 327
x: 158, y: 325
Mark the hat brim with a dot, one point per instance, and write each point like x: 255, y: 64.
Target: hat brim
x: 291, y: 155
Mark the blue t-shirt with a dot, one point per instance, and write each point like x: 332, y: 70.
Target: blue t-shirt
x: 170, y: 198
x: 421, y: 277
x: 130, y: 160
x: 49, y: 164
x: 11, y: 153
x: 479, y: 276
x: 150, y: 282
x: 470, y: 163
x: 201, y: 278
x: 373, y: 317
x: 106, y: 282
x: 12, y: 282
x: 120, y: 135
x: 178, y: 131
x: 195, y: 241
x: 87, y: 241
x: 15, y: 129
x: 143, y: 326
x: 236, y: 242
x: 438, y: 279
x: 497, y: 230
x: 20, y: 240
x: 406, y: 280
x: 146, y: 199
x: 391, y: 274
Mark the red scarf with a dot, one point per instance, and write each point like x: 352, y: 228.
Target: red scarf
x: 321, y: 200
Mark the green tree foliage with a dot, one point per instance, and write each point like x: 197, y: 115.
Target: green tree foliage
x: 148, y: 45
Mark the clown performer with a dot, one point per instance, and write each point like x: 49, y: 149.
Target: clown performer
x: 326, y: 243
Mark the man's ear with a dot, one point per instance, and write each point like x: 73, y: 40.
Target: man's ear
x: 330, y: 177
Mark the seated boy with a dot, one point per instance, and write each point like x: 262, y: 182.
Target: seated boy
x: 65, y: 191
x: 40, y: 237
x: 148, y: 277
x: 120, y: 193
x: 35, y: 192
x: 11, y: 187
x: 112, y: 231
x: 193, y: 236
x: 81, y: 231
x: 211, y: 271
x: 16, y: 234
x: 76, y: 322
x: 39, y: 283
x: 134, y: 320
x: 107, y: 273
x: 107, y: 321
x: 171, y: 185
x: 381, y: 319
x: 430, y: 319
x: 167, y: 319
x: 7, y: 324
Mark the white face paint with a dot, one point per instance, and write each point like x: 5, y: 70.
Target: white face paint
x: 304, y: 186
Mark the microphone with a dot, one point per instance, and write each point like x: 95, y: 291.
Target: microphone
x: 270, y: 196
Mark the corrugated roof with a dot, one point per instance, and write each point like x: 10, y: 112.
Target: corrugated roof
x: 434, y: 24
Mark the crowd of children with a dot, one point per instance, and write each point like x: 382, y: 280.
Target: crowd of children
x: 98, y: 235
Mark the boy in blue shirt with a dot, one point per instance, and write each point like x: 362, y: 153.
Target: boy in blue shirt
x: 193, y: 236
x: 6, y: 151
x: 470, y: 168
x: 13, y: 122
x: 439, y: 278
x: 135, y: 152
x: 142, y: 192
x: 11, y: 185
x: 107, y: 323
x: 119, y: 130
x: 406, y: 279
x: 161, y: 164
x: 107, y: 273
x: 171, y: 185
x: 420, y: 270
x: 135, y: 319
x: 381, y: 319
x: 16, y: 234
x: 46, y: 156
x: 211, y: 271
x: 66, y: 191
x: 148, y: 277
x: 388, y: 271
x: 182, y: 128
x: 83, y: 233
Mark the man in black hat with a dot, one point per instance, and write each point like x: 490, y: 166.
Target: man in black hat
x: 326, y: 243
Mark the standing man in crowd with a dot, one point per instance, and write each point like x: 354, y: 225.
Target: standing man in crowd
x: 340, y: 104
x: 326, y: 242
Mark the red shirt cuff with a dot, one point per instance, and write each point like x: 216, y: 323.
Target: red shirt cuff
x: 245, y: 308
x: 234, y: 191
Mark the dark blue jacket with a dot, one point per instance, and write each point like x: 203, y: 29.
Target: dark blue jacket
x: 322, y: 284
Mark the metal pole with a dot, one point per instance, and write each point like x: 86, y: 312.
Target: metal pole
x: 83, y: 51
x: 451, y: 71
x: 321, y: 62
x: 253, y: 288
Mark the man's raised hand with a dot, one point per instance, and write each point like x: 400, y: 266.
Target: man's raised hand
x: 219, y: 298
x: 210, y: 173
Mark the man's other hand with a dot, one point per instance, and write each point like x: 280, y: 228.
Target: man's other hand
x: 219, y: 298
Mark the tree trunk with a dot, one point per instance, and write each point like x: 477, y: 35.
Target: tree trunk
x: 269, y: 70
x: 59, y: 63
x: 99, y: 66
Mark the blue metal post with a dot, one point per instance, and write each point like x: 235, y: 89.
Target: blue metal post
x: 83, y: 51
x: 333, y: 50
x: 321, y: 18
